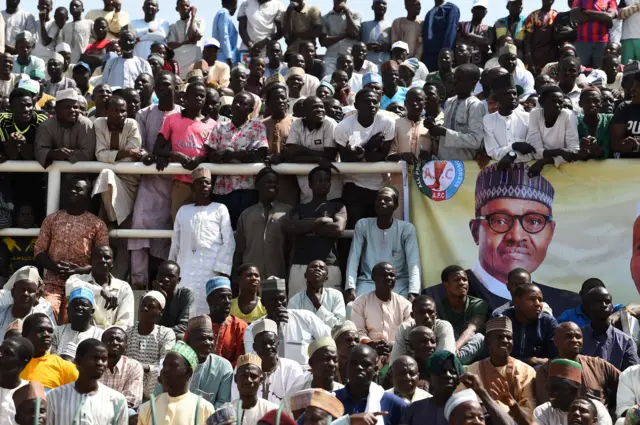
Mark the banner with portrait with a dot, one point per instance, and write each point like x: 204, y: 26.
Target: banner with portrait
x: 572, y: 223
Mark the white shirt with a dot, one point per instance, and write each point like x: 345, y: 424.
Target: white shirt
x: 302, y: 329
x: 563, y: 134
x: 261, y: 18
x: 464, y: 128
x: 203, y: 245
x: 98, y: 408
x: 545, y: 414
x: 14, y: 24
x: 122, y: 72
x: 40, y: 50
x: 628, y: 394
x: 524, y: 79
x: 311, y: 84
x: 316, y: 140
x: 148, y: 33
x: 77, y: 35
x: 501, y: 132
x: 332, y: 310
x: 631, y: 25
x: 574, y: 95
x: 187, y: 54
x: 253, y: 415
x: 123, y: 314
x: 355, y: 82
x: 66, y: 340
x: 287, y: 375
x: 7, y: 407
x: 349, y: 131
x: 367, y: 66
x: 491, y: 283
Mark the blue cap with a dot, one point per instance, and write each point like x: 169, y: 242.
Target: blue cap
x: 82, y: 293
x: 217, y: 283
x: 369, y: 78
x: 82, y: 65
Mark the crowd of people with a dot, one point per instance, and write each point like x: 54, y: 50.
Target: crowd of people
x: 258, y: 310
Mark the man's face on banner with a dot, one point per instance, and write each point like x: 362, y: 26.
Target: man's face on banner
x: 504, y: 243
x: 635, y: 255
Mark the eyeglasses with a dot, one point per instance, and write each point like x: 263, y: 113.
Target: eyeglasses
x: 531, y: 222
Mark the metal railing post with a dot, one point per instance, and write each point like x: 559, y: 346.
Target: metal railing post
x: 53, y: 189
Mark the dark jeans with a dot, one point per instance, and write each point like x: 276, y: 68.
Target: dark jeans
x: 237, y: 201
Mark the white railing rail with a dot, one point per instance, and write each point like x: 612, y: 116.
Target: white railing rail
x: 56, y: 169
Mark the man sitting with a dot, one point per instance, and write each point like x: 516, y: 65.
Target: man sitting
x: 500, y: 366
x: 378, y: 314
x: 115, y: 298
x: 16, y: 352
x: 50, y: 370
x: 578, y: 314
x: 297, y: 329
x: 466, y: 314
x: 533, y: 330
x: 423, y: 313
x: 405, y: 374
x: 516, y: 278
x: 249, y: 379
x: 180, y: 301
x: 565, y: 378
x: 80, y: 327
x: 326, y: 303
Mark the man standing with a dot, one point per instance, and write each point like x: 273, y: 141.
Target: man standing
x: 15, y: 354
x: 112, y: 13
x: 301, y: 23
x: 16, y: 20
x: 180, y: 301
x: 50, y: 370
x: 259, y: 22
x: 377, y: 314
x: 148, y: 30
x: 409, y: 29
x: 326, y: 303
x: 80, y: 327
x: 388, y: 239
x: 439, y: 31
x: 599, y: 377
x: 115, y: 298
x: 361, y: 394
x: 224, y: 29
x: 219, y: 72
x: 152, y: 208
x: 340, y: 32
x: 122, y: 374
x: 68, y: 136
x: 316, y: 227
x: 78, y: 32
x: 540, y: 47
x: 601, y: 338
x: 202, y: 258
x: 478, y: 36
x: 56, y: 80
x: 376, y: 34
x: 266, y: 218
x: 66, y: 241
x: 184, y: 36
x: 122, y: 71
x: 595, y: 19
x: 297, y: 329
x: 228, y: 330
x: 177, y: 405
x: 280, y: 374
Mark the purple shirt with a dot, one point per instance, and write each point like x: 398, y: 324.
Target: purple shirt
x: 615, y: 346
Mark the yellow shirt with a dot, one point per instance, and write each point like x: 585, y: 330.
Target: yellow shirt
x: 51, y: 371
x: 179, y: 410
x: 43, y: 100
x: 257, y: 312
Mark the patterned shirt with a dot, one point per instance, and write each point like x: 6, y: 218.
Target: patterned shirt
x: 538, y: 19
x: 66, y: 237
x: 65, y: 340
x: 8, y: 127
x: 126, y: 378
x: 251, y: 136
x: 593, y: 31
x: 150, y: 349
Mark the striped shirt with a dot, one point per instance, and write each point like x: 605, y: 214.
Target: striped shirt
x: 126, y: 378
x: 8, y: 126
x: 593, y: 31
x: 66, y: 406
x: 66, y: 340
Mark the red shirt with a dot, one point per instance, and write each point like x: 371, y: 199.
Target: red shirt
x: 593, y: 31
x: 229, y: 338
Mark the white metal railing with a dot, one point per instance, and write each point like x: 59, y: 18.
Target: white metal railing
x: 56, y: 169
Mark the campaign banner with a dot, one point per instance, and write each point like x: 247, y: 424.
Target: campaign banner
x: 571, y: 223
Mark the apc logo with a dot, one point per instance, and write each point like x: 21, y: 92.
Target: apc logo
x: 439, y: 180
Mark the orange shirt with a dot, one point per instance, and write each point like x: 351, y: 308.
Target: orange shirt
x: 51, y: 371
x: 229, y: 338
